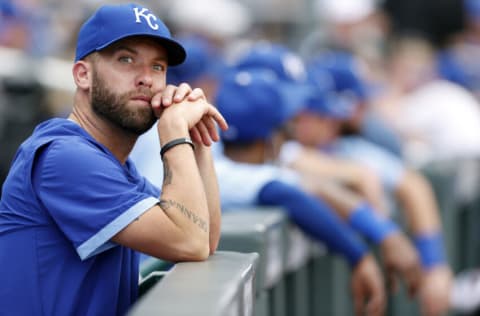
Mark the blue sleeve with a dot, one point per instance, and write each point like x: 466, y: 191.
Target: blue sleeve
x: 315, y: 218
x: 431, y: 249
x: 371, y: 224
x: 89, y: 194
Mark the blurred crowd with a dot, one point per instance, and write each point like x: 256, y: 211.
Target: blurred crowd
x: 393, y: 87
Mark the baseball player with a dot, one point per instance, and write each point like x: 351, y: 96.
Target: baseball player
x: 74, y: 211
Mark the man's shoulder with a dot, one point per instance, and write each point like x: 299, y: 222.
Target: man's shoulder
x: 76, y: 155
x: 55, y: 130
x: 64, y: 149
x: 65, y: 139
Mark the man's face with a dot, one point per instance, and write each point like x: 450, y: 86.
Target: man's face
x: 315, y: 130
x: 124, y: 79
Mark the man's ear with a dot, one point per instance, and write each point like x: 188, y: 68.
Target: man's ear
x: 82, y: 74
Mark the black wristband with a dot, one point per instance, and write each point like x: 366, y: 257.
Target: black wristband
x: 175, y: 142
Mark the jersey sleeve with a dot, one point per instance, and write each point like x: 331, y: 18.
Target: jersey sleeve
x: 89, y: 194
x: 315, y: 218
x: 233, y: 175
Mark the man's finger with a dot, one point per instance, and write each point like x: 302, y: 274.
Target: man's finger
x: 413, y: 279
x: 218, y: 118
x: 212, y: 128
x: 165, y: 97
x: 195, y: 135
x: 392, y: 282
x: 196, y: 94
x: 204, y: 133
x: 181, y: 92
x: 358, y: 298
x: 376, y: 303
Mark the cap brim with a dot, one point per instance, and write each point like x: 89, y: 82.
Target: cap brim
x: 295, y: 97
x: 175, y: 51
x: 339, y: 107
x: 176, y: 54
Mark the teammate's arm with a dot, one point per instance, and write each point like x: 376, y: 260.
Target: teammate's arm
x: 421, y: 210
x: 399, y: 255
x: 310, y: 161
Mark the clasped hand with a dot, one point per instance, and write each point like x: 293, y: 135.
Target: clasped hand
x: 191, y: 110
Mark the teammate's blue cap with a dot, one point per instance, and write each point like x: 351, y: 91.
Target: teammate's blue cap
x: 255, y: 103
x: 111, y: 23
x: 472, y: 8
x: 345, y: 72
x: 203, y: 59
x: 331, y: 104
x: 339, y: 88
x: 9, y: 9
x: 287, y: 65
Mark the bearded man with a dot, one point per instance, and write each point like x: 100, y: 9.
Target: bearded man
x: 74, y: 211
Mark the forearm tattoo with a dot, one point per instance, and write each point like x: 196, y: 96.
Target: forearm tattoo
x: 168, y: 204
x: 167, y: 172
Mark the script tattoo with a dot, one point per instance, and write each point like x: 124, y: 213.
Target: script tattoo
x: 167, y: 172
x: 166, y: 205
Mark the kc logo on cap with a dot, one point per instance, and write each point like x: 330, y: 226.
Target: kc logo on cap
x: 148, y: 17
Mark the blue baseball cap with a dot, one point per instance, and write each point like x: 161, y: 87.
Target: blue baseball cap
x: 111, y: 23
x: 255, y: 103
x: 203, y: 59
x: 330, y: 104
x: 287, y: 65
x: 338, y: 86
x: 472, y: 8
x: 345, y: 73
x: 9, y: 9
x: 325, y: 100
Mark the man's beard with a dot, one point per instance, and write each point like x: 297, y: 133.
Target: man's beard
x: 113, y: 107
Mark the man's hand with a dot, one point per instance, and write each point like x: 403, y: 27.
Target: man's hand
x: 401, y: 260
x: 192, y: 107
x: 435, y: 291
x: 173, y: 94
x: 367, y: 288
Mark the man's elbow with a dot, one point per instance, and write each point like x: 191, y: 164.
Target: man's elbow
x: 414, y: 182
x: 195, y: 249
x: 214, y: 240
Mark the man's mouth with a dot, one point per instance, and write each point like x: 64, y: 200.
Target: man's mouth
x: 144, y: 98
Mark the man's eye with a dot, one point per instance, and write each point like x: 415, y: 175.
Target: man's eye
x: 158, y: 67
x: 125, y: 59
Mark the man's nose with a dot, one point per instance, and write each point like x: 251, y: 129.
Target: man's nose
x: 145, y: 77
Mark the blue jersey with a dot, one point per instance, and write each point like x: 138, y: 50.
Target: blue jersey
x: 65, y: 197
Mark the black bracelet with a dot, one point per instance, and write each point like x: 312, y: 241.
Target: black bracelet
x: 175, y: 142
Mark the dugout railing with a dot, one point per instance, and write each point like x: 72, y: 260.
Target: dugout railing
x: 295, y: 276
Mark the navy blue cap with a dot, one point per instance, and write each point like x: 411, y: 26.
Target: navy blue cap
x: 203, y: 59
x: 111, y: 23
x: 255, y: 103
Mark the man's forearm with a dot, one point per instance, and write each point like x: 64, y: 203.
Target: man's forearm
x: 421, y: 210
x: 206, y: 168
x: 418, y: 201
x: 183, y: 196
